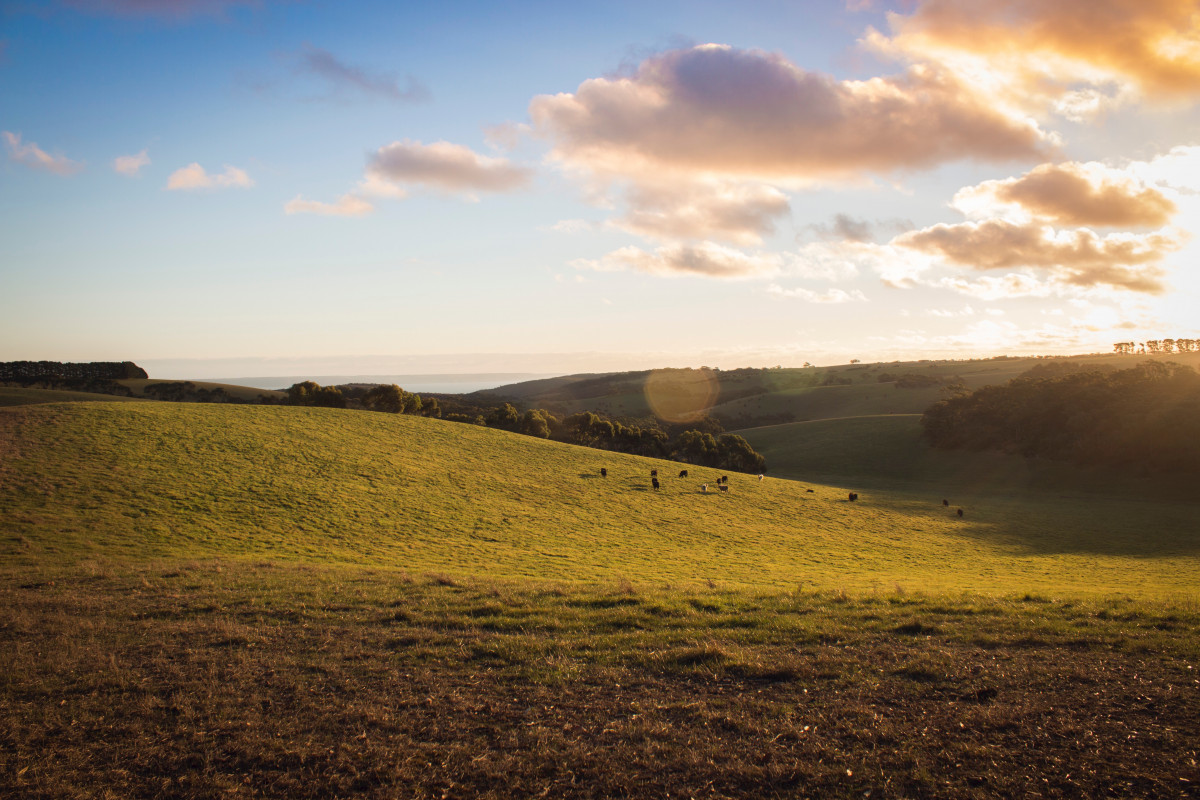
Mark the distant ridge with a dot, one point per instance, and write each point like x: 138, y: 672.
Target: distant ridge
x: 448, y: 383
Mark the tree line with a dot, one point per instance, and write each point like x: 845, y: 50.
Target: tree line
x: 1157, y: 346
x: 703, y: 443
x: 1146, y: 417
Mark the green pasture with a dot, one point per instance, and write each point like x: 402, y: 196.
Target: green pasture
x: 131, y: 482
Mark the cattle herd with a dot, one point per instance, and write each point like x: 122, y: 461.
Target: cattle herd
x: 722, y: 484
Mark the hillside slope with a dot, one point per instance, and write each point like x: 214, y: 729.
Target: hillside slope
x: 138, y: 481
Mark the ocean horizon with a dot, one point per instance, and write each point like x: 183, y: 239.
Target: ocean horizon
x: 452, y: 383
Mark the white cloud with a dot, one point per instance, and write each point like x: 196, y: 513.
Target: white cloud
x: 131, y: 165
x: 705, y: 259
x: 35, y: 157
x: 348, y: 205
x: 833, y: 295
x: 193, y: 176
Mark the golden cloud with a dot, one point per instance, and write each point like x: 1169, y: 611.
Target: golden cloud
x: 1072, y: 194
x: 1078, y: 258
x: 717, y: 111
x: 740, y: 213
x: 1152, y: 46
x: 705, y: 259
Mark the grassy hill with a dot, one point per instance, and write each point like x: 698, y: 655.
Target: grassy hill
x: 136, y: 481
x: 22, y: 396
x: 235, y: 601
x: 755, y: 397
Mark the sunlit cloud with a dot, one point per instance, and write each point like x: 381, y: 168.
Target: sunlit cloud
x: 833, y: 295
x: 444, y: 166
x: 194, y: 176
x: 1078, y: 57
x: 1070, y: 194
x: 35, y: 157
x: 131, y: 165
x: 343, y: 76
x: 347, y: 205
x: 1078, y: 257
x: 714, y: 110
x: 738, y: 213
x: 705, y: 259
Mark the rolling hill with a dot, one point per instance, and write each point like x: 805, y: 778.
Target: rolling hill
x: 137, y: 481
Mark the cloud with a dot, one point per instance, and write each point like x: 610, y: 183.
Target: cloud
x: 705, y: 259
x: 163, y: 9
x: 36, y: 158
x: 317, y: 61
x: 1071, y: 194
x: 1078, y: 258
x: 739, y: 213
x: 1044, y: 51
x: 131, y: 165
x: 829, y: 296
x: 718, y: 111
x: 445, y: 166
x: 348, y: 205
x: 193, y: 176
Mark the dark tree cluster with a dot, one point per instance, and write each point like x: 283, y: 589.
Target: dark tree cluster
x: 1146, y: 417
x: 702, y: 442
x: 41, y: 371
x: 99, y: 377
x: 188, y: 392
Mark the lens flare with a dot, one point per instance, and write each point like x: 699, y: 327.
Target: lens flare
x: 681, y: 395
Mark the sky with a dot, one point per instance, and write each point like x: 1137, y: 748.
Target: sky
x: 250, y: 187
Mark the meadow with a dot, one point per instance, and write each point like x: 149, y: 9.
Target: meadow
x: 222, y: 601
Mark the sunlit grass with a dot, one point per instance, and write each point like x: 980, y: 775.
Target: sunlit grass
x: 142, y: 481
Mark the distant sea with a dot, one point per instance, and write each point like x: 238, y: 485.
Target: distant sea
x: 441, y: 384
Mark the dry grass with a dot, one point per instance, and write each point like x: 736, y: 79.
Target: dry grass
x: 210, y: 679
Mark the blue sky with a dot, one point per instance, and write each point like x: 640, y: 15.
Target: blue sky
x: 217, y: 188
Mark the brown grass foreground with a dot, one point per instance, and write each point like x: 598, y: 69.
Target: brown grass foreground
x: 228, y: 679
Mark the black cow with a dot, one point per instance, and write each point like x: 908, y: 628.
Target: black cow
x: 853, y: 496
x: 960, y: 512
x: 654, y: 482
x: 683, y: 473
x: 945, y: 502
x: 653, y: 473
x: 603, y: 472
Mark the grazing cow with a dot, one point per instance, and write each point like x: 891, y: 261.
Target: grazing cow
x: 704, y: 488
x: 653, y: 473
x: 603, y: 472
x: 853, y: 496
x: 654, y: 482
x: 810, y: 491
x: 945, y: 502
x: 683, y: 473
x: 960, y: 512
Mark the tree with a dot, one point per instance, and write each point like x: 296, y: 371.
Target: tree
x: 506, y: 417
x: 389, y: 399
x: 309, y: 393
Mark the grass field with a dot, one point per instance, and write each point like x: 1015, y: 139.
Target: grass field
x: 210, y: 601
x: 162, y: 480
